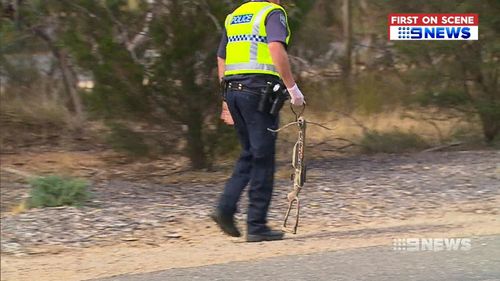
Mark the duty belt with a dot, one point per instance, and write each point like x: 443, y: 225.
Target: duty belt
x: 240, y: 87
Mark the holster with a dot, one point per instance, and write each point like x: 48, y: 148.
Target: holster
x: 273, y: 100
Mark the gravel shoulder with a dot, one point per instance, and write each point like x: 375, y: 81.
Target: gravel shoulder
x: 348, y: 202
x: 206, y: 246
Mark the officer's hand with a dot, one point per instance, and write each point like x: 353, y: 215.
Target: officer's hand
x: 226, y: 115
x: 296, y: 95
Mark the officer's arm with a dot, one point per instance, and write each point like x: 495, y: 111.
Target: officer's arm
x: 221, y: 66
x: 225, y: 114
x: 282, y: 63
x: 221, y: 55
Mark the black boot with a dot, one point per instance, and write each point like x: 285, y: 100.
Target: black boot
x: 226, y: 223
x: 269, y: 235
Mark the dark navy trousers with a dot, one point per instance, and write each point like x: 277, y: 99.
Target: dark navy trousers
x: 256, y: 161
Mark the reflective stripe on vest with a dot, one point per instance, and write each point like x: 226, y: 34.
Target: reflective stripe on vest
x: 251, y: 65
x: 255, y: 31
x: 252, y: 38
x: 245, y: 41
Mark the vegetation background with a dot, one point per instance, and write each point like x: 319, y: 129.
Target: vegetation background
x: 140, y: 77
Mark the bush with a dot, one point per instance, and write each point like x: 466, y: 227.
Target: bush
x: 391, y: 142
x: 54, y: 191
x: 125, y: 140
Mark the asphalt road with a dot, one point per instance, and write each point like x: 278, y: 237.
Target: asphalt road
x: 481, y: 262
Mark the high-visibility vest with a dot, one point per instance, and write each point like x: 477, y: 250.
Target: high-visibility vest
x: 247, y: 50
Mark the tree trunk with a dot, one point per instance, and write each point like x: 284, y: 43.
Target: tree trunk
x: 347, y: 28
x: 70, y: 86
x: 195, y: 148
x: 490, y: 121
x: 347, y: 63
x: 69, y: 78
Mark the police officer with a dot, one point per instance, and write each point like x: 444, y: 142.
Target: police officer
x: 252, y: 53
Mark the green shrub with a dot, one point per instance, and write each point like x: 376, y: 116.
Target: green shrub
x: 53, y: 191
x: 466, y: 134
x: 125, y: 140
x: 391, y: 142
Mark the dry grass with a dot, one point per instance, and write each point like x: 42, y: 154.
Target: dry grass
x: 37, y: 120
x: 35, y: 111
x: 385, y: 122
x: 353, y: 127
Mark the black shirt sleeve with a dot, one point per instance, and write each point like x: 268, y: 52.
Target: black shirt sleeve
x: 277, y: 27
x: 221, y: 52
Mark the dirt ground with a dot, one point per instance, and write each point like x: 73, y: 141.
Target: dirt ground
x: 463, y: 207
x: 206, y: 245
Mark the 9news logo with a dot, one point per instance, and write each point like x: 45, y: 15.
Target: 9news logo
x: 433, y: 27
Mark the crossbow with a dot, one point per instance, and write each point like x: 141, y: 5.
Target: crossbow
x: 298, y: 164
